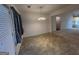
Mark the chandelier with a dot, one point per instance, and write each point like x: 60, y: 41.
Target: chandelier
x: 41, y: 17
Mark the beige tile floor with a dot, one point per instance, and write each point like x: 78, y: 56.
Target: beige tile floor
x: 56, y: 43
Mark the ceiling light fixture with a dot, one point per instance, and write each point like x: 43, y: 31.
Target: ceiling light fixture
x: 28, y: 6
x: 41, y: 17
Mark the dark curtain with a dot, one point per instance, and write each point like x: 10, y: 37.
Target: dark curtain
x: 18, y: 25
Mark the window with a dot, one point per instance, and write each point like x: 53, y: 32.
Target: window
x: 75, y: 22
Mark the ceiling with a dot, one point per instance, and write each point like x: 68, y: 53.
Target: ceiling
x: 35, y: 8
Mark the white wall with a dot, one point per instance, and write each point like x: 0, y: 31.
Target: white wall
x: 53, y: 23
x: 66, y: 20
x: 32, y: 26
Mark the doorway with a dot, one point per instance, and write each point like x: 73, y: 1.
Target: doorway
x: 58, y: 23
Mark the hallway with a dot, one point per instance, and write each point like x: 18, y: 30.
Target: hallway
x: 56, y: 43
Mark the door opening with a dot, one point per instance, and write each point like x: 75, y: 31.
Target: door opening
x: 58, y: 23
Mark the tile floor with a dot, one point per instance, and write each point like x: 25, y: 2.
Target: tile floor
x: 56, y: 43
